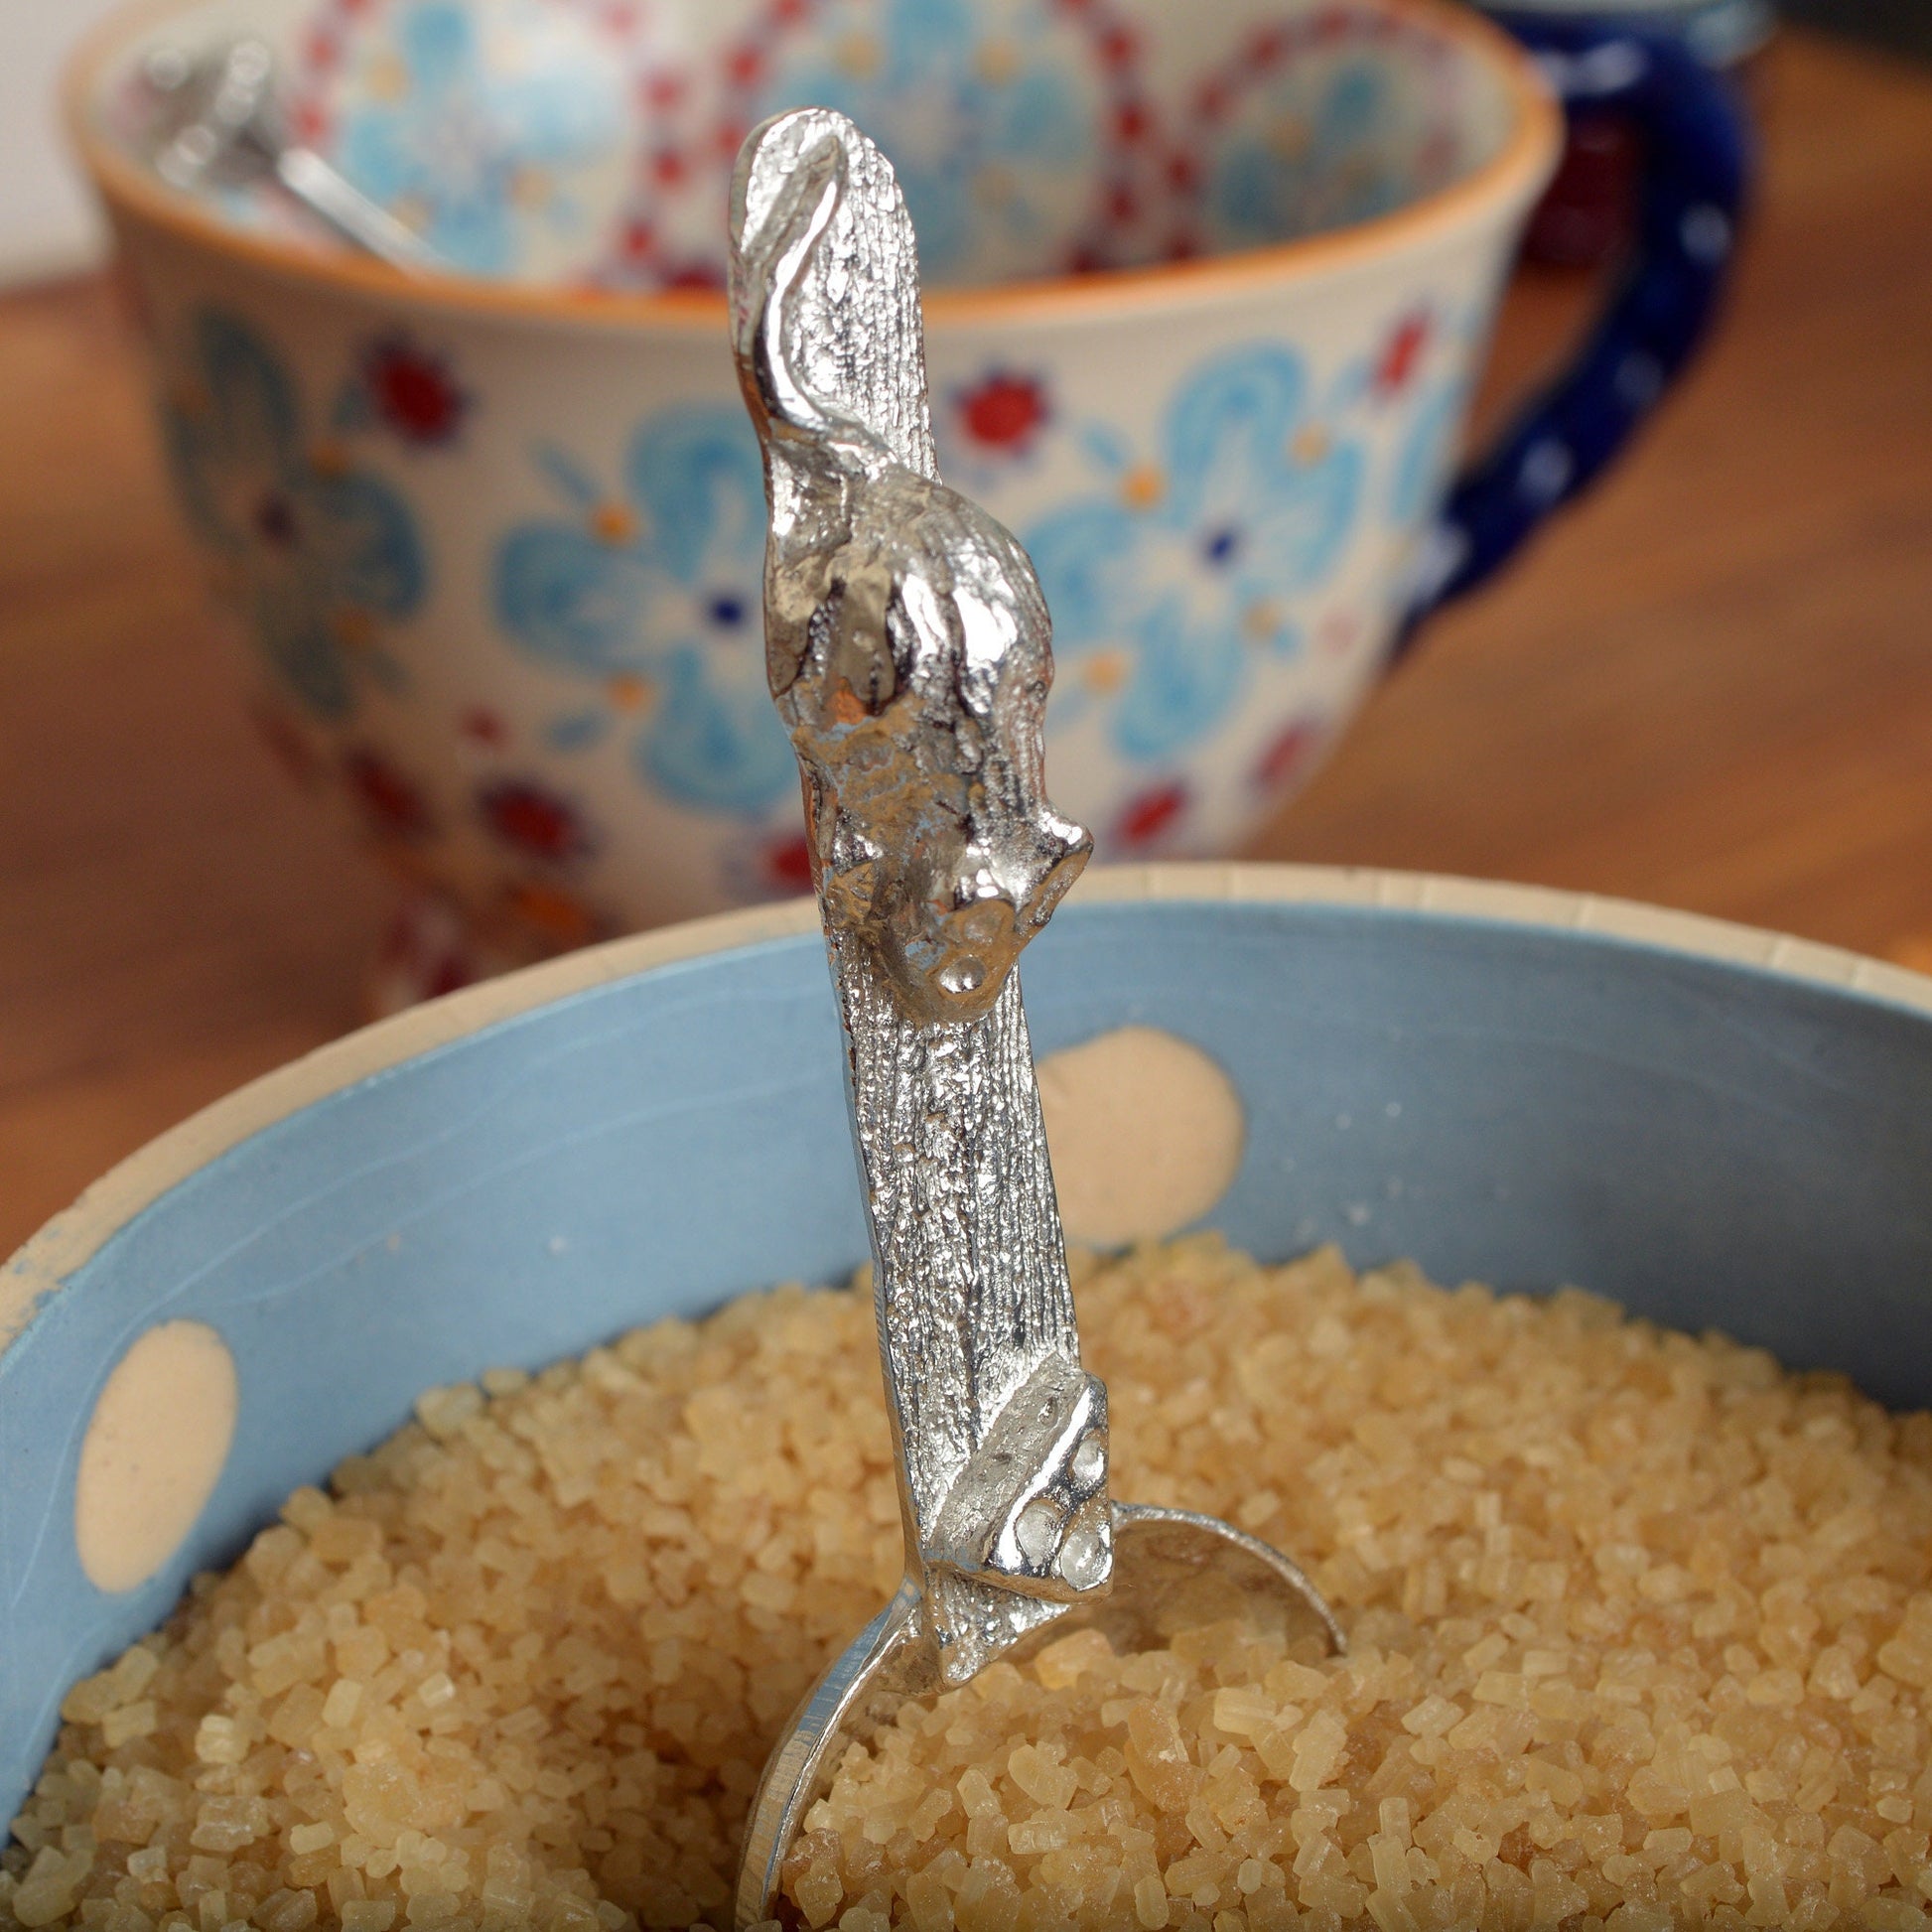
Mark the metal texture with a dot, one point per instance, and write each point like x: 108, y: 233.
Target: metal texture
x: 217, y: 121
x: 908, y: 650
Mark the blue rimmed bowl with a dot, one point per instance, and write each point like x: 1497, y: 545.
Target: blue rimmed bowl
x: 1718, y: 1127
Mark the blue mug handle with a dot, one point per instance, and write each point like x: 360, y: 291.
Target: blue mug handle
x: 1697, y: 163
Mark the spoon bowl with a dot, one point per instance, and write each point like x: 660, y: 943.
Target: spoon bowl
x: 1172, y: 1569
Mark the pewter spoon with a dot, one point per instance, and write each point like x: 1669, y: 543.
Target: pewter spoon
x: 217, y: 121
x: 907, y: 647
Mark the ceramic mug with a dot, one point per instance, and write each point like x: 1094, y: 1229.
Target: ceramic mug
x: 1207, y: 288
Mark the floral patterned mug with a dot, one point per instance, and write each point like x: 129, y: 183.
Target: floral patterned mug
x: 1207, y: 288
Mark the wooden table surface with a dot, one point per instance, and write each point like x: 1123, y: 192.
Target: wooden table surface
x: 1711, y: 686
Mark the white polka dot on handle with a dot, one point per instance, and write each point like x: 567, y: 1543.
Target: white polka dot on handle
x: 1546, y: 469
x: 1706, y: 234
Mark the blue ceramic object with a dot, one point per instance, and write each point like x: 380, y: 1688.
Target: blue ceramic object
x: 1697, y: 146
x: 1714, y: 1126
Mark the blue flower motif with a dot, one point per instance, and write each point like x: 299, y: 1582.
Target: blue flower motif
x: 318, y: 552
x: 661, y: 601
x: 481, y: 119
x: 1299, y: 167
x: 1165, y: 590
x: 990, y: 134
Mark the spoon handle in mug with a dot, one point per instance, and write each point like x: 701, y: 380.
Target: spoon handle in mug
x: 907, y: 647
x: 331, y: 194
x: 217, y: 113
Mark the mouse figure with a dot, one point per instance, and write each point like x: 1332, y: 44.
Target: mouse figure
x: 907, y: 639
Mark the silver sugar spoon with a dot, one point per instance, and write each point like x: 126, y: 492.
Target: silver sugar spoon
x: 907, y: 647
x: 217, y: 121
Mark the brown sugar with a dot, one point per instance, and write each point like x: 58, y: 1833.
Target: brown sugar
x: 1640, y: 1636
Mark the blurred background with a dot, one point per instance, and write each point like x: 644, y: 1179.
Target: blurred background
x: 1709, y: 685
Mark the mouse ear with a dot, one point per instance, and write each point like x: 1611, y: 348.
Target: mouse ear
x: 825, y: 288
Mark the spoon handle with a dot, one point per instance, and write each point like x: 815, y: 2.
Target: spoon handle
x: 218, y: 116
x: 326, y: 192
x: 989, y: 1403
x: 907, y: 647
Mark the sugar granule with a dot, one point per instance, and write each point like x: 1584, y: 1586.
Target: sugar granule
x: 1640, y: 1636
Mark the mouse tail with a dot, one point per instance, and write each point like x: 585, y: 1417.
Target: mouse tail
x: 826, y: 320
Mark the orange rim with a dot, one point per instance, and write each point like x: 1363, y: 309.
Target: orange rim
x: 1500, y: 187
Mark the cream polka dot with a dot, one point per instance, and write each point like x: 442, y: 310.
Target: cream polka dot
x: 1145, y: 1133
x: 154, y: 1451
